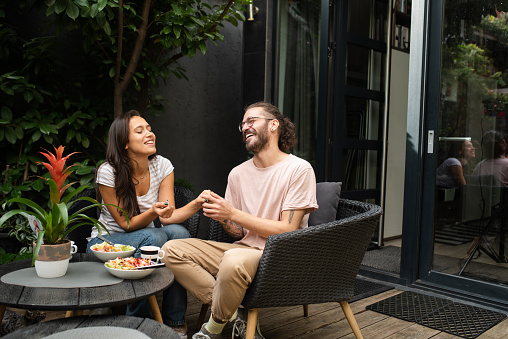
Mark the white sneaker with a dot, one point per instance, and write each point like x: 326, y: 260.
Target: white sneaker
x: 204, y: 334
x: 240, y: 326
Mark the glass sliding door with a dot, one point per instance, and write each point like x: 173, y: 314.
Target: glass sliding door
x: 297, y: 70
x: 471, y: 122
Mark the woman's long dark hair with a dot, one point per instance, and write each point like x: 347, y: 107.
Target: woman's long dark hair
x: 118, y: 158
x: 287, y: 133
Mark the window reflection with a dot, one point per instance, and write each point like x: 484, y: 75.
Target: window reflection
x: 472, y: 168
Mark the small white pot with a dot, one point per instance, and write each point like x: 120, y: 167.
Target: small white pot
x: 53, y: 260
x: 51, y: 269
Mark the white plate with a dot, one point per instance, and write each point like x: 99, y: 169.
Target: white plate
x: 105, y: 256
x: 129, y: 274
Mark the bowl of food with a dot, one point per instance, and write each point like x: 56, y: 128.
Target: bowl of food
x: 130, y: 268
x: 105, y: 251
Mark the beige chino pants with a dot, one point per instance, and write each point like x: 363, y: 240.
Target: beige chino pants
x: 215, y: 273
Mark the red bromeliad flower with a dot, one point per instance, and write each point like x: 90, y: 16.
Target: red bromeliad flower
x: 57, y: 169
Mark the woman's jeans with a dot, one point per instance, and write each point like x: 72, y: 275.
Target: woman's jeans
x: 174, y: 302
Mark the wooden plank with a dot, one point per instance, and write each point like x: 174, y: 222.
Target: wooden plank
x: 498, y: 331
x: 48, y: 298
x: 105, y: 296
x: 341, y: 327
x: 11, y: 293
x: 414, y: 331
x: 158, y: 280
x: 385, y: 328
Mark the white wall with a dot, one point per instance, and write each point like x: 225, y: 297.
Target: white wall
x: 396, y: 148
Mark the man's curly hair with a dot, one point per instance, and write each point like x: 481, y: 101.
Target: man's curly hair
x: 287, y: 134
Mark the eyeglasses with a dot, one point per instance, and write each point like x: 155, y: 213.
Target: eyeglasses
x: 249, y: 122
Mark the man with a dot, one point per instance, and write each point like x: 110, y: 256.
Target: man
x: 272, y: 193
x: 495, y: 162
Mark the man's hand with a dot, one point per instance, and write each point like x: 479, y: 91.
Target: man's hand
x: 218, y: 209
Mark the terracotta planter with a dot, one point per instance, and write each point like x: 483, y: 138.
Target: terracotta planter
x: 53, y: 260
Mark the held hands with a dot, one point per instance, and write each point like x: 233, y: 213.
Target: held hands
x: 163, y: 210
x: 202, y: 198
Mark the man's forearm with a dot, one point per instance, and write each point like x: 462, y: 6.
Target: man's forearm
x: 234, y: 230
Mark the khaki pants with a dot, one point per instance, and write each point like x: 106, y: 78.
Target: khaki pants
x: 215, y: 273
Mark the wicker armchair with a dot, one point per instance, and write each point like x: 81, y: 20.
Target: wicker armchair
x: 311, y: 266
x: 183, y: 196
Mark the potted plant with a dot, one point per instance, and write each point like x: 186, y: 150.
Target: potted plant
x: 52, y: 251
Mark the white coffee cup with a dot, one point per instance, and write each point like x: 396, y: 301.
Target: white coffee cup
x: 74, y: 248
x: 152, y: 253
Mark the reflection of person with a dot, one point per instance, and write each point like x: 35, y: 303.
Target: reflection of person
x: 269, y: 194
x: 450, y: 174
x: 495, y: 162
x: 139, y: 181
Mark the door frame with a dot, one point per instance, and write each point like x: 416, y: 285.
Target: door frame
x: 419, y: 192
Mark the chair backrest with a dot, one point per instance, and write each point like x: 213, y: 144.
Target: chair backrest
x: 183, y: 196
x: 317, y: 264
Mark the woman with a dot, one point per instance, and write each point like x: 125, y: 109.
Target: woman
x: 450, y: 174
x: 142, y: 184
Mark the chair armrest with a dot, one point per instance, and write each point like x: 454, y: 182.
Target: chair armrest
x: 316, y: 264
x: 183, y: 196
x: 216, y: 232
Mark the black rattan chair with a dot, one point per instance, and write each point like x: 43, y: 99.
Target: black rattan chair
x: 183, y: 196
x: 314, y: 265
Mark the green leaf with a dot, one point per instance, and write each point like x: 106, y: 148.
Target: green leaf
x: 28, y: 96
x: 6, y: 113
x: 177, y: 30
x: 202, y: 47
x: 10, y: 135
x: 67, y: 104
x: 233, y: 21
x: 7, y: 188
x: 107, y: 28
x: 101, y: 4
x: 36, y: 135
x: 83, y: 3
x: 72, y: 11
x: 112, y: 72
x: 60, y: 6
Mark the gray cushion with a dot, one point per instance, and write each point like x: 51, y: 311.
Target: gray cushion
x: 328, y: 194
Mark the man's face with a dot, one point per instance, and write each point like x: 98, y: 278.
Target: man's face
x: 255, y: 136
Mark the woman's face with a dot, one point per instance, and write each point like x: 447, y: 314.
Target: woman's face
x: 468, y: 150
x: 141, y: 137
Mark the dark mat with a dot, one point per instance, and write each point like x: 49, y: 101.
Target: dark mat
x: 445, y: 315
x: 365, y: 288
x: 385, y: 258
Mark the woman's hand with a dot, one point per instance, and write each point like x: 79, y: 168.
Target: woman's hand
x: 163, y: 210
x: 202, y: 198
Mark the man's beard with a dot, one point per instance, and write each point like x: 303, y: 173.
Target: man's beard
x: 259, y: 144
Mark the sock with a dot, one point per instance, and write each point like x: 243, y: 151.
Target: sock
x: 233, y: 317
x: 214, y: 327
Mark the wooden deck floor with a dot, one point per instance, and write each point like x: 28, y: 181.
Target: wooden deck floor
x: 327, y: 321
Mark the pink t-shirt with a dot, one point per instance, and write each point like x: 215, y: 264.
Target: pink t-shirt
x: 266, y: 192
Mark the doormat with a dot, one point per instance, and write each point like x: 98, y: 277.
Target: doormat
x: 440, y: 314
x: 365, y: 288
